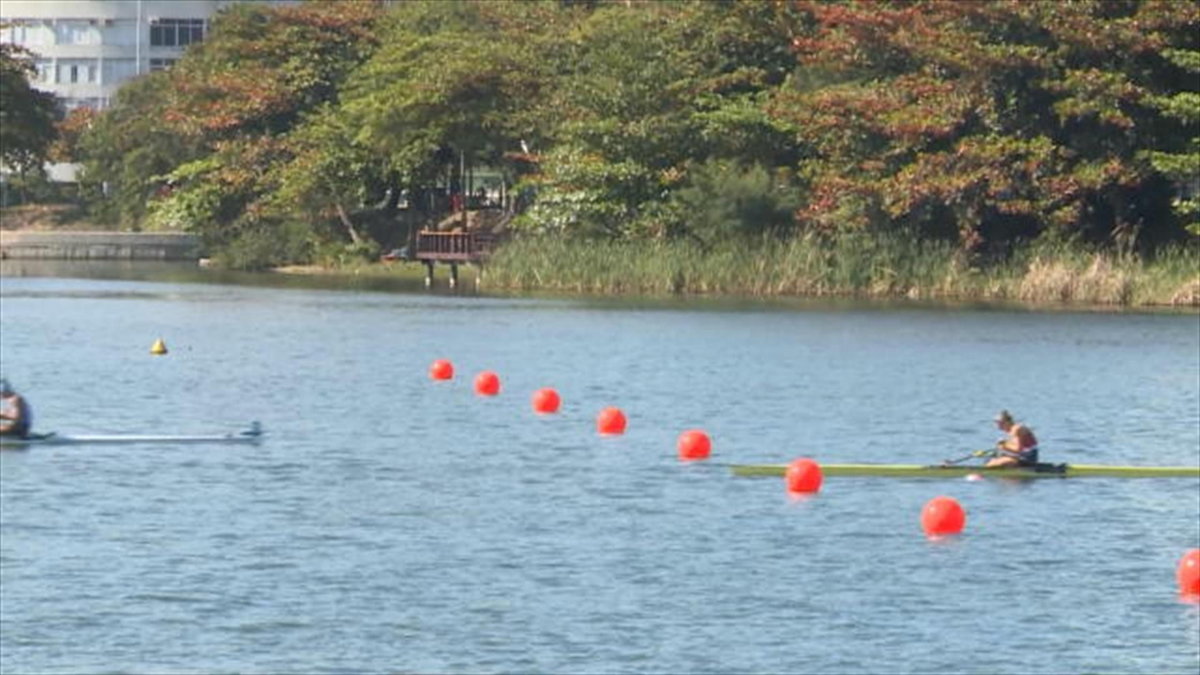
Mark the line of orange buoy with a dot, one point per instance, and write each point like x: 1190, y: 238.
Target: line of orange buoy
x: 611, y: 421
x: 941, y: 516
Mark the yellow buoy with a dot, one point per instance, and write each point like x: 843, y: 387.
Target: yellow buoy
x: 158, y: 348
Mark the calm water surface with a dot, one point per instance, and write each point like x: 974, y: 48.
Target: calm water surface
x: 391, y: 524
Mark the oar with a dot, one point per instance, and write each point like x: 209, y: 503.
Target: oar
x: 973, y: 455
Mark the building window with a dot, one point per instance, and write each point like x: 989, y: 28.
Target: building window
x: 28, y: 32
x: 77, y: 32
x: 76, y: 72
x: 122, y: 33
x: 45, y: 71
x: 176, y: 32
x: 161, y: 64
x: 118, y: 70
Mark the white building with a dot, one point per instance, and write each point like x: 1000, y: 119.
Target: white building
x: 85, y: 49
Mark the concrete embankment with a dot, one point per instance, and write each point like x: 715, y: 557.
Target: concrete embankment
x: 99, y: 246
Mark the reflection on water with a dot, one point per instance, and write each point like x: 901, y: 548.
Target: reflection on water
x: 409, y: 278
x: 188, y: 272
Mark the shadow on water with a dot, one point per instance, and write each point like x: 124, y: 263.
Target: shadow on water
x: 406, y: 280
x: 409, y: 278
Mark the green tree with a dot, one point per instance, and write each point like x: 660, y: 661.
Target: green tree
x: 648, y: 91
x: 1181, y: 162
x: 244, y: 96
x: 986, y: 121
x: 263, y: 68
x: 200, y: 147
x: 27, y: 115
x: 127, y: 149
x: 326, y: 176
x: 454, y: 82
x: 724, y: 201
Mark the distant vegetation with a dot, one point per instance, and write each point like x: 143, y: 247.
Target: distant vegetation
x: 855, y: 265
x: 992, y: 149
x: 27, y: 118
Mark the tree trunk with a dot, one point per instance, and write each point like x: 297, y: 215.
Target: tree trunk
x: 346, y: 223
x: 393, y: 201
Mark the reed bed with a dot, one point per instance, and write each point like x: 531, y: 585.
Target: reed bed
x: 879, y: 266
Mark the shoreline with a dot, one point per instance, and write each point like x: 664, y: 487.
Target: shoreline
x: 1057, y: 279
x: 414, y: 271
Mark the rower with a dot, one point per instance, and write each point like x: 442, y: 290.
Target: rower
x: 15, y: 415
x: 1019, y: 447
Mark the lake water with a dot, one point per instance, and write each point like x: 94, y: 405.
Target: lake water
x: 392, y: 524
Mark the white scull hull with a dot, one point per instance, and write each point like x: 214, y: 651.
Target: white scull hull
x: 252, y: 435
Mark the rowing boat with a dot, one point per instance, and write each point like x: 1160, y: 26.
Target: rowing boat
x: 251, y: 435
x: 1043, y: 470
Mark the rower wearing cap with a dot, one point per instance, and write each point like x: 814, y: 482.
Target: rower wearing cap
x: 15, y: 414
x: 1018, y: 448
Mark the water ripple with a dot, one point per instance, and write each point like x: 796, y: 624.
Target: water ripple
x: 391, y: 525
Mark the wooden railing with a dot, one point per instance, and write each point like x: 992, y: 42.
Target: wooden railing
x: 455, y: 246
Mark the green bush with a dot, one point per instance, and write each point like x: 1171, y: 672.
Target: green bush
x: 722, y: 201
x: 264, y: 246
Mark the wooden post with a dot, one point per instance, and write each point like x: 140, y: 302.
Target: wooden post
x: 428, y: 273
x: 453, y: 275
x: 463, y: 186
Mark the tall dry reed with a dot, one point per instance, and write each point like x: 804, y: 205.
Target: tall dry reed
x: 855, y: 265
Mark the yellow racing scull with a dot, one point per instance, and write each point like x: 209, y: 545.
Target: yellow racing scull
x: 1044, y: 470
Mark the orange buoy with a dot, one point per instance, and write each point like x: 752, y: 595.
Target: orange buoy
x: 803, y: 475
x: 441, y: 369
x: 546, y: 401
x: 1188, y: 573
x: 694, y: 445
x: 487, y: 383
x: 942, y: 516
x: 610, y: 422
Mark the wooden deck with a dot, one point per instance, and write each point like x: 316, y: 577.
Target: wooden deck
x: 455, y: 247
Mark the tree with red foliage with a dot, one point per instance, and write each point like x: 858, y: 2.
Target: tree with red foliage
x: 986, y: 121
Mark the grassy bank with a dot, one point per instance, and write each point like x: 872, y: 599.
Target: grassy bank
x: 890, y: 266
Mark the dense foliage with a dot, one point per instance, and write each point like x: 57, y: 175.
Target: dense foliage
x: 978, y: 124
x: 210, y: 145
x: 27, y: 115
x: 993, y: 119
